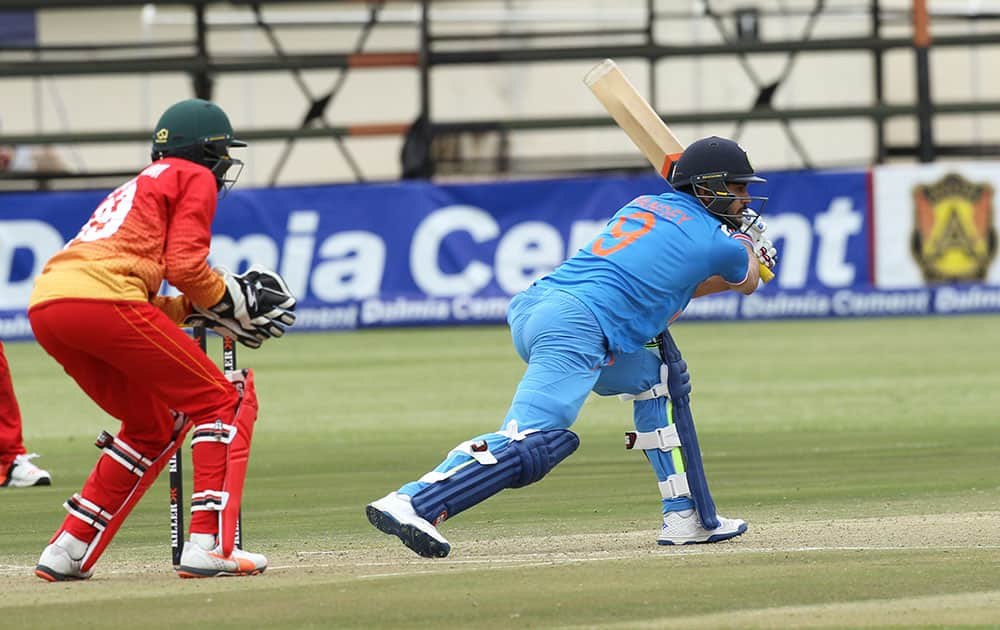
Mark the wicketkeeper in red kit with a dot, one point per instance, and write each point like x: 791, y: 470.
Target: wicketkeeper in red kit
x: 96, y: 309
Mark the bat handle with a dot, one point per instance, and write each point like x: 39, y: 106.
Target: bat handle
x: 765, y: 273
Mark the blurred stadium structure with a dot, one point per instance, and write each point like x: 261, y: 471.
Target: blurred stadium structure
x: 361, y: 91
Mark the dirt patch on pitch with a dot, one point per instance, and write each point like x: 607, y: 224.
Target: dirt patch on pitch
x: 386, y: 557
x: 932, y: 531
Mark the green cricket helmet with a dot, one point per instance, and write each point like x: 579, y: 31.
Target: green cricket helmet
x: 198, y: 131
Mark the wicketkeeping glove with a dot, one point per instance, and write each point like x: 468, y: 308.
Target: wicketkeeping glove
x: 270, y: 304
x: 258, y: 301
x: 225, y: 327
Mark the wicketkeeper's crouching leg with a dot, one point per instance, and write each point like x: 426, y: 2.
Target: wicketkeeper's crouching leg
x: 123, y: 474
x: 220, y: 453
x: 89, y: 528
x: 474, y: 471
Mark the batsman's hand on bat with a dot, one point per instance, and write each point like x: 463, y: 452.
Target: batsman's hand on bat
x: 754, y: 227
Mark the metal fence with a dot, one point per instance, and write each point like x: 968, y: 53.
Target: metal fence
x: 437, y: 36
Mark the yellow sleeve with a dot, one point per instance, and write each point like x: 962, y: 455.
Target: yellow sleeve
x: 176, y: 308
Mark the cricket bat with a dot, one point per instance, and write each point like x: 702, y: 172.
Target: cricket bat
x: 640, y: 122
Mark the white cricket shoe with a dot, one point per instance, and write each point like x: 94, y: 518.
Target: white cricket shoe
x: 23, y: 474
x: 62, y: 560
x: 202, y: 558
x: 394, y: 515
x: 685, y: 528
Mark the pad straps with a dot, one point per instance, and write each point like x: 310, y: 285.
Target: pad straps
x: 660, y: 390
x: 209, y: 501
x: 88, y: 512
x: 118, y: 450
x: 675, y: 487
x: 664, y: 439
x: 479, y: 451
x: 214, y: 432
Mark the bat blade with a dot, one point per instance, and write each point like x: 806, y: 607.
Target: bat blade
x: 632, y: 112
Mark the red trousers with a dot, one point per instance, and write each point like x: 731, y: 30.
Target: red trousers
x: 134, y: 362
x: 11, y: 442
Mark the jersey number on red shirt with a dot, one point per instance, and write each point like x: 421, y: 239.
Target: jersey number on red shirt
x: 110, y: 215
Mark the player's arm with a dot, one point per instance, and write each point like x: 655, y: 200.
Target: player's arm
x: 175, y: 307
x: 255, y: 304
x: 189, y: 237
x: 179, y: 309
x: 738, y: 268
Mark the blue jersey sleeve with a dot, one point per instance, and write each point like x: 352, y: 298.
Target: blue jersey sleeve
x: 731, y: 259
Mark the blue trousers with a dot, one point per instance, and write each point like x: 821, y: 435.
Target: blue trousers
x: 567, y: 356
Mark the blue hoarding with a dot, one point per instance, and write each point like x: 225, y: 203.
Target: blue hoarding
x: 417, y: 253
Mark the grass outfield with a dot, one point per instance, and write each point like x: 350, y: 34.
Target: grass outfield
x: 864, y: 454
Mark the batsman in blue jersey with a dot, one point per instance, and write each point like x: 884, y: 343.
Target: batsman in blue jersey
x: 585, y: 327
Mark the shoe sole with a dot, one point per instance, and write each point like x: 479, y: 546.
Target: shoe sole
x: 50, y: 575
x: 711, y: 539
x: 192, y: 573
x: 413, y: 537
x: 44, y: 481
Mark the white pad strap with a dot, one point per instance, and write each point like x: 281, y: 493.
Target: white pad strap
x: 512, y: 432
x: 209, y: 501
x: 663, y: 438
x: 656, y: 391
x: 479, y: 451
x: 88, y: 512
x: 675, y: 486
x: 435, y: 476
x: 213, y: 432
x: 131, y: 459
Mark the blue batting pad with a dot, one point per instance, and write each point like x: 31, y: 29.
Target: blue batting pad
x: 650, y: 415
x: 678, y: 383
x: 519, y: 463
